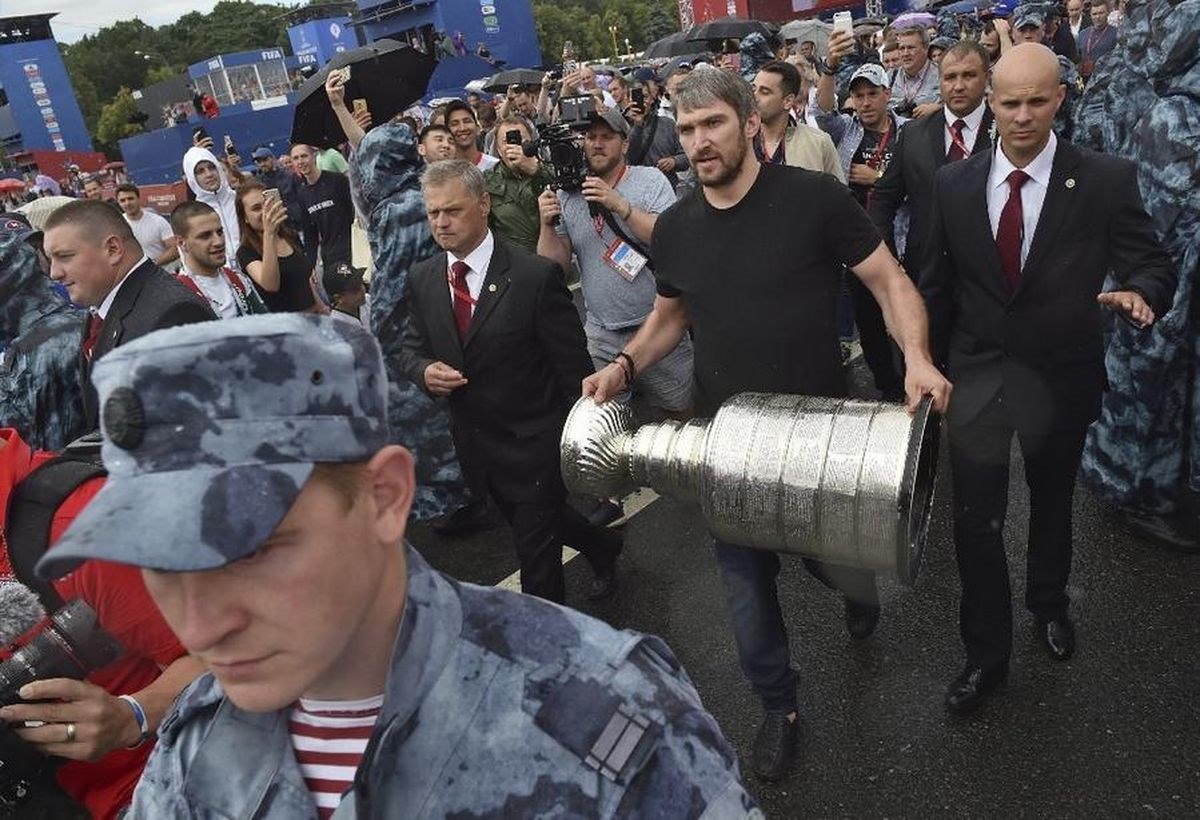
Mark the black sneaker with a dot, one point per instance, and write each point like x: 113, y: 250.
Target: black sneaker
x: 861, y: 618
x: 467, y: 519
x: 605, y: 513
x: 774, y: 750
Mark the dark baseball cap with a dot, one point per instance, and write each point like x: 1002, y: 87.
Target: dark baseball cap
x: 211, y: 430
x: 262, y: 152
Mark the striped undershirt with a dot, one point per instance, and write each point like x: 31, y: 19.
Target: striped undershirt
x: 329, y: 738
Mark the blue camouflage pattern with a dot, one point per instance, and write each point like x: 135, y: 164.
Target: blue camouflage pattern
x: 214, y: 427
x: 497, y: 705
x: 1143, y: 103
x: 385, y: 175
x: 755, y: 52
x: 41, y: 335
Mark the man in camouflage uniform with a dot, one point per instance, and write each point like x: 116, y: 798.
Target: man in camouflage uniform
x: 486, y: 703
x: 40, y: 334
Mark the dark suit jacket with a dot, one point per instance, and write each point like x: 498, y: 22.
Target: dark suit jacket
x: 1041, y: 345
x: 920, y: 151
x: 149, y: 299
x: 524, y: 358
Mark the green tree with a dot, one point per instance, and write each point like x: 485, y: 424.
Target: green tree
x: 661, y: 20
x: 114, y: 122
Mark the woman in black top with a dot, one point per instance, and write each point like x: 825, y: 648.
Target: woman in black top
x: 270, y: 252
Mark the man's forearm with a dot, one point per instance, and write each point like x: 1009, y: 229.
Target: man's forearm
x: 554, y: 247
x: 167, y: 256
x: 640, y: 222
x: 904, y: 313
x: 354, y: 132
x: 826, y: 99
x: 659, y: 334
x: 157, y: 698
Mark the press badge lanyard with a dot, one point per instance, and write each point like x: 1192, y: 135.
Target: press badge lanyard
x: 597, y: 220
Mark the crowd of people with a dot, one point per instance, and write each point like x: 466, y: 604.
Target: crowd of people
x: 725, y: 222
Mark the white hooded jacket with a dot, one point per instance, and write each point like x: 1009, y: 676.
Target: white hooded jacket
x: 222, y: 201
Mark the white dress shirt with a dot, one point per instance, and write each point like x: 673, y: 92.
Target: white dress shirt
x: 106, y: 305
x: 1033, y: 192
x: 478, y: 261
x: 971, y: 125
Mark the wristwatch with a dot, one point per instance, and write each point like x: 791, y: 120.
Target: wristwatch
x: 824, y: 67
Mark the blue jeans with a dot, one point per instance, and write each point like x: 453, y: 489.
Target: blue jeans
x: 758, y: 629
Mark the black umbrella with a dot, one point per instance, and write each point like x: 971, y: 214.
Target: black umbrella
x: 499, y: 83
x: 673, y: 45
x: 730, y: 28
x: 389, y: 75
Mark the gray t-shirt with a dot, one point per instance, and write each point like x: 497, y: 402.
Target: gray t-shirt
x: 611, y: 300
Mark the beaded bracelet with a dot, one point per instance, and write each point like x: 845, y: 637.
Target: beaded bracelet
x: 631, y: 370
x: 139, y: 714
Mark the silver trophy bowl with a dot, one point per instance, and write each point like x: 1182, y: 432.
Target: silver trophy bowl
x: 844, y: 481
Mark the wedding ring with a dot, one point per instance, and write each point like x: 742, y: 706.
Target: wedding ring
x: 70, y: 732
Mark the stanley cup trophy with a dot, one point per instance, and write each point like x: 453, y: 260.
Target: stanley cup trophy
x: 840, y: 480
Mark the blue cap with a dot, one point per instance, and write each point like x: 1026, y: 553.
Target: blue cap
x: 645, y: 74
x: 262, y: 152
x: 211, y: 430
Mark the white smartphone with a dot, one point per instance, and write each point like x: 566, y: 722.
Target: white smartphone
x: 843, y: 21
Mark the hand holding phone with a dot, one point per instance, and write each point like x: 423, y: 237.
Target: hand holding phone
x: 843, y: 21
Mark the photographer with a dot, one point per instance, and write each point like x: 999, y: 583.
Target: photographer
x: 102, y: 736
x: 607, y: 224
x: 652, y: 139
x: 514, y: 185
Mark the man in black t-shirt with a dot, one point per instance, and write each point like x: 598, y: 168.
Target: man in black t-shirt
x: 325, y: 195
x: 765, y: 321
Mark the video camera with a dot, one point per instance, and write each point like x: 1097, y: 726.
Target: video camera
x: 70, y: 645
x: 557, y: 145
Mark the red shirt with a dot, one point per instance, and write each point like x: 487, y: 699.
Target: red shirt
x: 125, y: 610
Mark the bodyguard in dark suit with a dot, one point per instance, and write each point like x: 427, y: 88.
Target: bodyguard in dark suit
x: 493, y: 328
x: 959, y: 130
x: 1022, y: 239
x: 94, y: 254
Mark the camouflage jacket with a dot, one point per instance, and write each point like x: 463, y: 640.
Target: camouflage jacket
x: 384, y: 175
x: 498, y: 705
x: 1141, y: 104
x: 40, y: 340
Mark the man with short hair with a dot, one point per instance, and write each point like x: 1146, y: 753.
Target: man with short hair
x: 779, y: 140
x: 463, y: 125
x: 914, y: 90
x: 201, y: 241
x: 325, y: 197
x: 866, y: 141
x: 652, y: 137
x: 345, y: 671
x: 94, y: 254
x: 1096, y: 41
x: 152, y: 231
x: 93, y: 189
x: 434, y: 143
x: 272, y: 175
x: 775, y: 331
x: 927, y: 144
x: 525, y: 361
x: 607, y: 225
x: 1019, y: 328
x: 515, y: 184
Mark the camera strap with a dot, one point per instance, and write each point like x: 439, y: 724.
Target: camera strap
x: 31, y: 510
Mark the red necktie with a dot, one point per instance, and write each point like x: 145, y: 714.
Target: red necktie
x: 958, y: 146
x: 92, y: 335
x: 1010, y: 233
x: 462, y: 297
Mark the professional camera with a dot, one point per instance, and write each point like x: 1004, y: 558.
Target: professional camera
x: 558, y: 145
x: 71, y: 645
x: 905, y: 109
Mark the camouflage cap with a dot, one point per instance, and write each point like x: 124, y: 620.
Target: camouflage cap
x: 1029, y: 14
x: 210, y: 431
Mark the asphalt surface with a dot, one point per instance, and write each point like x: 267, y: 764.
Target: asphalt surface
x: 1114, y: 732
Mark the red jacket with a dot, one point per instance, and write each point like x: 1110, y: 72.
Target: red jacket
x: 125, y: 610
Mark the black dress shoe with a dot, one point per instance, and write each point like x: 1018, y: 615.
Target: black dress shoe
x: 1058, y: 636
x: 604, y: 582
x: 973, y: 684
x: 861, y: 618
x: 605, y: 513
x: 1161, y: 530
x: 774, y: 747
x: 463, y: 521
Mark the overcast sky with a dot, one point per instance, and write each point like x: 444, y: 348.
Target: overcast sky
x: 78, y: 18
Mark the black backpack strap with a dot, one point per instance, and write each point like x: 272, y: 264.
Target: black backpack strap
x: 31, y: 510
x: 611, y: 221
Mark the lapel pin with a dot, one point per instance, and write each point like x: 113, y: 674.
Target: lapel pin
x: 1070, y: 182
x: 492, y: 287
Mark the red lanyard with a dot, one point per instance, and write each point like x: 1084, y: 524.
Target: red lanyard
x: 463, y: 293
x: 598, y: 221
x: 877, y: 155
x: 956, y: 138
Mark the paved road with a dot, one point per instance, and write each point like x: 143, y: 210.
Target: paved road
x: 1115, y: 732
